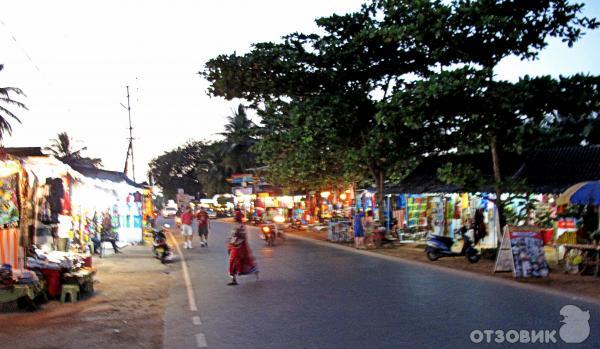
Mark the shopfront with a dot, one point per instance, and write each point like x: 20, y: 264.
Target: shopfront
x: 414, y: 216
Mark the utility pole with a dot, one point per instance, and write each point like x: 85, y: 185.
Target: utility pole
x: 130, y: 147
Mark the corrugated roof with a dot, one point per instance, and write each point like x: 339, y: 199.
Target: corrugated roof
x: 545, y: 171
x: 113, y: 176
x: 24, y: 151
x: 554, y: 170
x: 424, y: 178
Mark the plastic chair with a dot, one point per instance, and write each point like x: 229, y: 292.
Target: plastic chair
x: 69, y: 290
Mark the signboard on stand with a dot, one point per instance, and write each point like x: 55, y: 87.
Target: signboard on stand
x: 522, y: 252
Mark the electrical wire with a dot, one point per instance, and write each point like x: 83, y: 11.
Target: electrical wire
x: 19, y: 46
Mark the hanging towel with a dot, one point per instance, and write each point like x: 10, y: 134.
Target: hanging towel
x: 9, y: 247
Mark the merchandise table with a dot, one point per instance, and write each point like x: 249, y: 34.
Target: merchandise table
x: 13, y: 293
x: 83, y: 277
x: 590, y: 259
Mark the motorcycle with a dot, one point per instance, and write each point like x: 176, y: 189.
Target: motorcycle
x: 441, y: 246
x: 160, y: 248
x: 269, y: 233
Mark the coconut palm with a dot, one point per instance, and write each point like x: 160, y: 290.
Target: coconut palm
x: 5, y: 114
x: 62, y: 148
x: 239, y: 137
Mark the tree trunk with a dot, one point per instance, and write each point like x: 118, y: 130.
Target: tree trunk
x: 497, y: 183
x: 319, y: 206
x: 308, y: 204
x: 379, y: 182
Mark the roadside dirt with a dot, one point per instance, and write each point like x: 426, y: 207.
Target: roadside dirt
x: 125, y: 311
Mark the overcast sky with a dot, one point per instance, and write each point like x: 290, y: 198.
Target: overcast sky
x: 84, y: 53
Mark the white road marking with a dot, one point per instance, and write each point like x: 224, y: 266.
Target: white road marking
x: 186, y: 275
x: 196, y: 320
x: 201, y: 340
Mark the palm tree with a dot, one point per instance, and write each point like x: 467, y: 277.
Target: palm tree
x: 239, y: 136
x: 5, y: 114
x: 62, y: 148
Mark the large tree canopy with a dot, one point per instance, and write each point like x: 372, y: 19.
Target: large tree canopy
x: 204, y: 167
x: 397, y: 80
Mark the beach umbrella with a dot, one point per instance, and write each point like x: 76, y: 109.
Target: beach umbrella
x: 585, y: 193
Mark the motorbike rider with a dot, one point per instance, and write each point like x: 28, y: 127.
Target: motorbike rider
x: 160, y: 241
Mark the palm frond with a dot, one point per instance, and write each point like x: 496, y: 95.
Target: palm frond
x: 5, y: 91
x: 8, y: 113
x: 13, y: 102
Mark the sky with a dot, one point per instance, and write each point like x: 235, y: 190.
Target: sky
x: 73, y: 59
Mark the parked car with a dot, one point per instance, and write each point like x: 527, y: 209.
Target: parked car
x: 169, y: 212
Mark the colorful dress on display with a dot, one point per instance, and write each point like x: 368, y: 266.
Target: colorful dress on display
x: 241, y: 260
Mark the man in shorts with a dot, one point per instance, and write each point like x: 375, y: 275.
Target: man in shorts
x: 186, y: 227
x: 203, y: 225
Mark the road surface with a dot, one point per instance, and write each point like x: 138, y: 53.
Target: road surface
x: 315, y: 296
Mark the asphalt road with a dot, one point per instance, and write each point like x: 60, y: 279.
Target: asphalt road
x: 314, y: 296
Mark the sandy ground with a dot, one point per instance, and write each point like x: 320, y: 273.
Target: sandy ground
x: 587, y: 286
x: 125, y: 311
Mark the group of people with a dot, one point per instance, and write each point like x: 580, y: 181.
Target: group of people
x: 187, y: 219
x: 366, y: 231
x: 241, y: 260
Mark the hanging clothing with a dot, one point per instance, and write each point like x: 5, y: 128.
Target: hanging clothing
x: 9, y: 247
x: 57, y: 193
x: 9, y: 201
x: 464, y: 200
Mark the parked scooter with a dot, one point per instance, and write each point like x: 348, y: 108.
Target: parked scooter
x: 441, y: 246
x: 160, y: 248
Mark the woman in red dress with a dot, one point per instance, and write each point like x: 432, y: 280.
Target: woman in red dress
x: 241, y: 260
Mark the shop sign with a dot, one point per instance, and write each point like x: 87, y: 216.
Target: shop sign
x: 240, y: 178
x: 522, y: 252
x: 242, y: 191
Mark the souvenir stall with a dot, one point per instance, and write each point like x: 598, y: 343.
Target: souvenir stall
x: 129, y: 210
x: 244, y: 199
x: 52, y: 201
x: 366, y: 200
x: 299, y: 210
x: 16, y: 213
x: 417, y: 215
x: 13, y: 187
x: 91, y: 198
x: 56, y: 254
x: 123, y: 202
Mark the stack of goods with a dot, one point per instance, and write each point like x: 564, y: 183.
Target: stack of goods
x: 6, y: 276
x: 417, y: 211
x: 55, y: 260
x: 26, y: 277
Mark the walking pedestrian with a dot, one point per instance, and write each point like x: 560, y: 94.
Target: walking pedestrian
x: 359, y: 230
x: 186, y: 227
x: 203, y: 226
x: 369, y: 228
x: 241, y: 260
